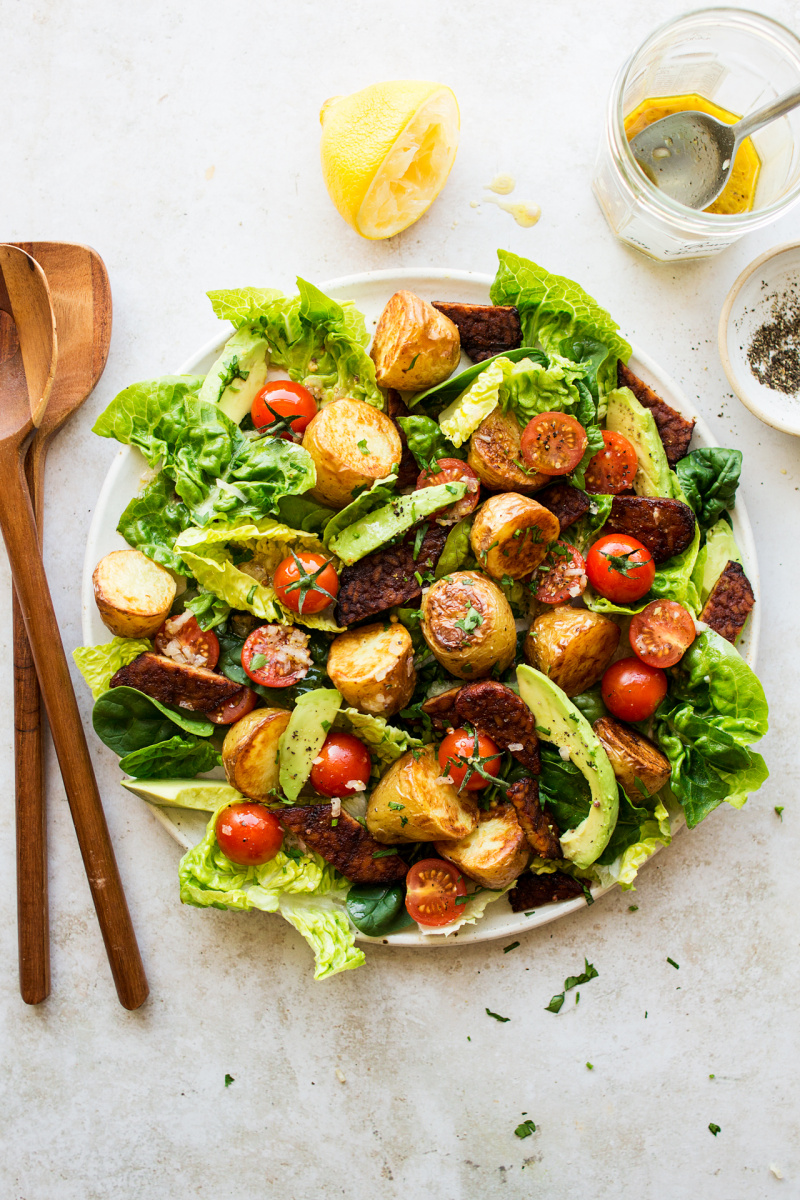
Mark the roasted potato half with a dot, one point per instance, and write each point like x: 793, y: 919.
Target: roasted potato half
x: 511, y: 533
x: 633, y: 757
x: 352, y: 444
x: 572, y: 646
x: 412, y: 803
x: 495, y: 853
x: 495, y: 455
x: 133, y: 594
x: 373, y: 668
x: 250, y: 752
x: 468, y: 624
x: 414, y: 346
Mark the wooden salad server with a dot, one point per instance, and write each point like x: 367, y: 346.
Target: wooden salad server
x: 81, y: 298
x: 27, y: 368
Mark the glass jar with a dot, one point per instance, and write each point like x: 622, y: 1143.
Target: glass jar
x: 738, y: 59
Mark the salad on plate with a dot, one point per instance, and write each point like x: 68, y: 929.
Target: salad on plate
x: 421, y: 635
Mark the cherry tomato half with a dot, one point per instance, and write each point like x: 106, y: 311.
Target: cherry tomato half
x: 632, y: 690
x: 305, y: 582
x: 239, y: 705
x: 249, y: 834
x: 553, y: 443
x: 660, y: 633
x: 620, y: 568
x: 181, y: 639
x: 287, y: 399
x: 276, y: 655
x: 460, y: 753
x: 342, y: 766
x: 453, y: 470
x: 612, y: 469
x: 432, y: 888
x: 562, y: 575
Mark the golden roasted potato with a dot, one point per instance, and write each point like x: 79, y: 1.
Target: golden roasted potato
x: 495, y: 455
x: 633, y: 757
x: 495, y: 853
x: 412, y: 803
x: 373, y: 668
x: 133, y: 594
x: 468, y: 625
x: 352, y: 444
x: 415, y: 346
x: 511, y: 533
x: 572, y: 646
x: 250, y: 752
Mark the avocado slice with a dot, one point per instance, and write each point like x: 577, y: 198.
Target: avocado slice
x: 568, y: 729
x: 311, y: 719
x: 376, y: 528
x: 236, y: 376
x: 627, y: 416
x: 204, y: 794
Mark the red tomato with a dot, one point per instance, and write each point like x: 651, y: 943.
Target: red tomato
x: 620, y: 568
x: 612, y: 469
x: 287, y: 399
x: 249, y: 834
x: 181, y: 639
x: 554, y: 443
x: 632, y: 690
x: 562, y: 575
x: 461, y: 751
x: 660, y: 633
x: 432, y: 886
x: 453, y: 470
x: 276, y: 655
x: 306, y: 583
x: 243, y: 702
x: 342, y: 766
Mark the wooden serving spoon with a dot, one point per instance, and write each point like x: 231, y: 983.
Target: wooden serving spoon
x: 27, y: 366
x: 81, y: 298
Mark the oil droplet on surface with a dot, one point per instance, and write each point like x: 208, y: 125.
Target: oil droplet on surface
x: 525, y: 215
x: 502, y: 184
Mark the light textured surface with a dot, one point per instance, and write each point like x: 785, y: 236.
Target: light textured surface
x: 181, y: 141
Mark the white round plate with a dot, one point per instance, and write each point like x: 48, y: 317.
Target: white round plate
x: 370, y: 291
x: 748, y: 306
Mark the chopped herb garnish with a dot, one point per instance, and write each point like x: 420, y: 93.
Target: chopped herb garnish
x: 525, y: 1129
x: 624, y: 565
x: 590, y: 1066
x: 497, y: 1016
x: 258, y: 661
x: 419, y: 538
x: 363, y: 447
x: 418, y: 578
x: 233, y: 372
x: 672, y: 963
x: 471, y: 619
x: 384, y: 853
x: 633, y: 908
x: 570, y: 982
x: 410, y: 366
x: 325, y: 725
x: 403, y: 821
x: 334, y: 822
x: 229, y: 1080
x: 512, y: 946
x: 779, y: 811
x: 249, y: 597
x: 394, y: 805
x: 587, y: 893
x: 712, y: 1077
x: 715, y: 1129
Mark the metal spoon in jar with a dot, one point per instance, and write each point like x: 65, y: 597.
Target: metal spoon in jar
x: 689, y: 155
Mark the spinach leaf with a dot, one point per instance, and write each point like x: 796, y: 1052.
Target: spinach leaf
x: 172, y: 759
x: 456, y: 549
x: 591, y: 704
x: 377, y: 911
x: 564, y: 788
x: 627, y: 831
x: 126, y: 720
x: 153, y: 520
x: 709, y: 478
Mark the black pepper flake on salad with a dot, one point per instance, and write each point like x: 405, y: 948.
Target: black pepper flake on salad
x: 473, y: 738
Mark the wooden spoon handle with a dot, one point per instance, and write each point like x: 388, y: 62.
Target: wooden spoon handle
x: 19, y: 533
x: 33, y: 928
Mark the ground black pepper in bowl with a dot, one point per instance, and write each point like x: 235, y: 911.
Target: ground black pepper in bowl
x: 774, y: 351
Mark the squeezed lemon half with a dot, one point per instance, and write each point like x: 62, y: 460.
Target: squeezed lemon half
x: 387, y: 152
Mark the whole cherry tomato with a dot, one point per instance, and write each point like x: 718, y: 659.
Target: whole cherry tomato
x: 249, y: 834
x: 620, y: 568
x: 283, y: 398
x: 632, y: 690
x: 342, y: 766
x: 463, y: 750
x: 306, y: 582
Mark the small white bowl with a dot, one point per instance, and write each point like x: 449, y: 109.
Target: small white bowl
x: 749, y: 305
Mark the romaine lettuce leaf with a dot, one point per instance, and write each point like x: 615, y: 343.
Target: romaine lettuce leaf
x: 386, y: 742
x: 306, y: 890
x: 461, y: 418
x: 714, y: 710
x: 97, y: 664
x: 718, y: 550
x: 301, y: 512
x: 638, y: 840
x: 709, y: 478
x: 153, y: 520
x: 381, y: 492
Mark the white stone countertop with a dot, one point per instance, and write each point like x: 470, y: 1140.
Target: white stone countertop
x: 180, y: 140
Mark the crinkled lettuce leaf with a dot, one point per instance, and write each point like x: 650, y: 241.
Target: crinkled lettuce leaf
x: 97, y: 664
x: 559, y: 315
x: 319, y: 342
x: 717, y: 551
x: 587, y: 528
x: 385, y: 741
x: 714, y: 710
x: 152, y: 521
x: 209, y: 610
x: 303, y: 888
x: 209, y: 554
x: 427, y: 442
x: 461, y: 418
x: 709, y: 478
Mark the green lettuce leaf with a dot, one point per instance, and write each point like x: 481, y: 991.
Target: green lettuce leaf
x: 717, y: 551
x: 153, y: 520
x: 557, y: 313
x: 97, y: 664
x: 714, y: 710
x: 208, y: 609
x: 241, y: 306
x: 638, y: 835
x: 709, y: 478
x: 461, y: 418
x: 386, y: 742
x: 177, y: 757
x: 303, y: 888
x: 587, y: 528
x: 435, y: 398
x: 427, y: 442
x: 301, y: 512
x: 209, y: 554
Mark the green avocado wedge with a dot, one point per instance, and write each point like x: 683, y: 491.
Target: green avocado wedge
x: 207, y: 795
x: 301, y: 741
x: 238, y: 374
x: 635, y: 422
x: 560, y: 722
x: 376, y: 528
